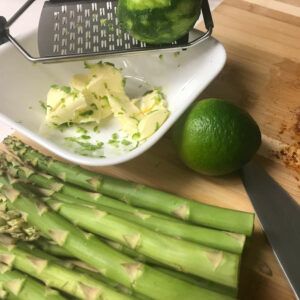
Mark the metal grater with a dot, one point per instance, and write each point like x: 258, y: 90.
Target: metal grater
x: 89, y: 29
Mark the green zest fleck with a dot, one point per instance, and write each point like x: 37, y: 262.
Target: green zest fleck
x: 147, y: 92
x: 63, y: 88
x: 103, y: 22
x: 86, y: 113
x: 158, y: 99
x: 136, y: 136
x: 94, y: 94
x: 81, y: 130
x: 110, y: 27
x: 115, y: 136
x: 86, y: 65
x: 160, y: 56
x: 134, y: 118
x: 85, y: 137
x: 66, y: 89
x: 85, y: 145
x: 63, y: 127
x: 109, y: 63
x: 157, y: 126
x: 176, y: 54
x: 43, y: 105
x: 114, y: 143
x: 96, y: 129
x: 126, y: 142
x: 94, y: 106
x: 49, y: 107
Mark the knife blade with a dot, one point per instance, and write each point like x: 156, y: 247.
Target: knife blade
x: 279, y: 215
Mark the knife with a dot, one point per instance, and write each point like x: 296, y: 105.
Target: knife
x: 279, y: 215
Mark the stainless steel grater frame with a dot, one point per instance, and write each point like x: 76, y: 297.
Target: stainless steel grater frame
x: 73, y: 34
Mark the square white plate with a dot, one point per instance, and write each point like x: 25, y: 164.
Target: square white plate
x: 23, y: 85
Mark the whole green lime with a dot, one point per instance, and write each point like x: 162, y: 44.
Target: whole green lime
x: 215, y: 137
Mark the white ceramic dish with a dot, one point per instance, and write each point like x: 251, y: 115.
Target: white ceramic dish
x: 22, y: 84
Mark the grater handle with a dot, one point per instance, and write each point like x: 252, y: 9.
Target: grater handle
x: 207, y: 17
x: 4, y: 24
x: 3, y: 30
x: 20, y: 11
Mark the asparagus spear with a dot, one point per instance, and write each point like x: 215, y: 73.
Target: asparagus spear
x: 137, y: 194
x: 194, y: 280
x: 109, y: 282
x: 21, y: 286
x: 51, y: 248
x: 74, y: 283
x: 112, y: 264
x: 221, y: 240
x: 80, y: 267
x: 200, y: 282
x: 56, y: 250
x: 12, y: 222
x: 220, y: 288
x: 50, y: 186
x: 217, y: 266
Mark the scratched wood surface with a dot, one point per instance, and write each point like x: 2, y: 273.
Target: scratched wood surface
x: 262, y: 75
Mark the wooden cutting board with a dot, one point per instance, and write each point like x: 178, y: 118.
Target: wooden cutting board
x: 262, y: 75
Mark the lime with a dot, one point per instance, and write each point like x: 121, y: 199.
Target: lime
x: 215, y: 137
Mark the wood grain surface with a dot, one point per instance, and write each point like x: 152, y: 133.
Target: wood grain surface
x: 262, y: 75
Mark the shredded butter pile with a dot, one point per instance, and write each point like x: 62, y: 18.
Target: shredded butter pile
x: 99, y: 94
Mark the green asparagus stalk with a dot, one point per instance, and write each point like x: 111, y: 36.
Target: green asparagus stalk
x: 80, y: 267
x: 21, y: 286
x: 76, y: 265
x: 12, y: 222
x: 114, y: 265
x: 204, y: 268
x: 109, y: 282
x: 217, y: 266
x: 131, y: 253
x: 188, y: 278
x: 51, y: 248
x: 200, y: 282
x: 54, y: 249
x: 50, y: 185
x: 11, y: 297
x: 54, y: 275
x: 221, y: 240
x: 137, y: 194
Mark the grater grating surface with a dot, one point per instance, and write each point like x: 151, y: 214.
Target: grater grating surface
x: 72, y: 30
x: 79, y: 27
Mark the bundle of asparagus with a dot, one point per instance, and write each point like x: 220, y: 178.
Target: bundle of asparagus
x: 152, y: 244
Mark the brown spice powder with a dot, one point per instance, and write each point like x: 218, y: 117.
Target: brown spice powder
x: 290, y: 156
x: 297, y: 124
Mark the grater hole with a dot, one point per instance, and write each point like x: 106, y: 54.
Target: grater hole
x: 83, y: 27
